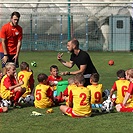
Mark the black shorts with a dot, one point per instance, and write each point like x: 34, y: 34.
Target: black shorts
x: 10, y: 59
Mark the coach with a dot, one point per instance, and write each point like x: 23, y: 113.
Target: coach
x: 11, y: 41
x: 80, y: 58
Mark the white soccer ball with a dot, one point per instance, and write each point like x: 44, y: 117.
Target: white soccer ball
x: 107, y: 106
x: 5, y: 103
x: 29, y: 99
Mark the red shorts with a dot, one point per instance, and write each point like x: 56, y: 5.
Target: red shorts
x: 71, y: 113
x: 126, y: 109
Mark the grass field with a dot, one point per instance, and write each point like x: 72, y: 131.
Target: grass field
x: 20, y: 120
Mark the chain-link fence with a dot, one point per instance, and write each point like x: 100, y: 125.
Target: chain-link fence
x: 98, y: 27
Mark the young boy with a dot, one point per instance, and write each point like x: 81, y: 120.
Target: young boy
x: 96, y: 89
x: 10, y: 88
x: 121, y: 86
x: 127, y: 104
x: 71, y: 85
x: 2, y: 109
x: 43, y: 93
x: 53, y: 78
x: 79, y: 100
x: 26, y: 76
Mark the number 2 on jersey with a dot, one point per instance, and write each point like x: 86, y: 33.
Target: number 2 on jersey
x: 83, y: 96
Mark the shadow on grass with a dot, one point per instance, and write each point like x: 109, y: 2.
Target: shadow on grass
x: 99, y: 113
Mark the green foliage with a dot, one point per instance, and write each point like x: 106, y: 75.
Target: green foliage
x: 20, y: 120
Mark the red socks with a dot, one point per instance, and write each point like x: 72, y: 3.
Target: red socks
x: 1, y: 110
x: 128, y: 109
x: 17, y: 96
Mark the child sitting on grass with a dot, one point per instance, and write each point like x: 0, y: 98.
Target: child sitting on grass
x: 79, y: 100
x: 127, y: 104
x: 26, y: 76
x: 43, y: 93
x: 53, y: 78
x: 71, y: 85
x: 96, y: 89
x: 120, y: 86
x: 10, y: 87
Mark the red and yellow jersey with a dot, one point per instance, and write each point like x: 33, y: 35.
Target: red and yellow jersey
x: 96, y: 93
x: 27, y: 78
x: 121, y: 86
x: 67, y: 90
x: 130, y: 91
x: 7, y: 82
x: 12, y: 34
x: 43, y: 96
x: 51, y: 78
x: 80, y: 97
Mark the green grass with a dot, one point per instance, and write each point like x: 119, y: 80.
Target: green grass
x: 20, y: 120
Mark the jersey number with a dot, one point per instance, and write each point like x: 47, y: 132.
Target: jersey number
x: 83, y: 96
x: 21, y: 77
x: 97, y: 96
x: 38, y: 94
x: 124, y: 90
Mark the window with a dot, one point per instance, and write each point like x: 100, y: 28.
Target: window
x: 120, y: 24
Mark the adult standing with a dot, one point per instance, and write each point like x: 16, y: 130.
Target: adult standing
x: 11, y: 40
x: 80, y: 58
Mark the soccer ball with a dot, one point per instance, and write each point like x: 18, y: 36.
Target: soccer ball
x: 29, y: 99
x: 107, y: 106
x: 34, y: 64
x: 111, y: 62
x: 5, y: 103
